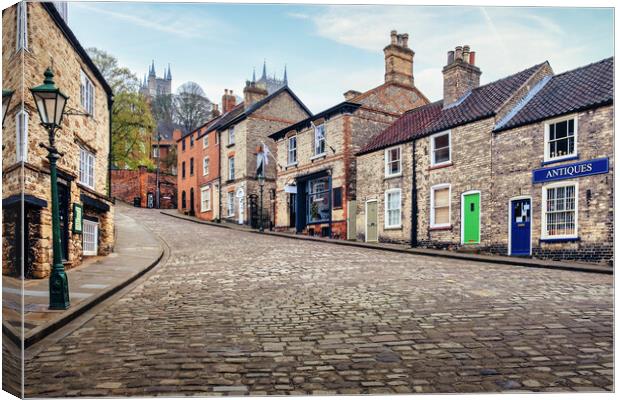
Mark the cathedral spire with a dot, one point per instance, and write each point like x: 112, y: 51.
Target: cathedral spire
x: 254, y: 74
x: 169, y: 74
x: 152, y: 69
x: 285, y: 78
x: 264, y: 77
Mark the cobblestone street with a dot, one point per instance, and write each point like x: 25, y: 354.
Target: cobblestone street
x: 236, y: 313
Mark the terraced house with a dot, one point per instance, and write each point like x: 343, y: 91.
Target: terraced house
x: 316, y: 181
x: 35, y: 36
x: 520, y: 166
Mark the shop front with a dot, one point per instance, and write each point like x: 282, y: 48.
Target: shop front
x: 311, y: 207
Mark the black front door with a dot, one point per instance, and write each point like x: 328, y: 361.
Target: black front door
x: 63, y: 205
x: 191, y: 201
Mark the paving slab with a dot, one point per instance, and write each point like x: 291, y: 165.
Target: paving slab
x: 136, y: 250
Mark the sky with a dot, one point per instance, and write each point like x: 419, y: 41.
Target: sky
x: 331, y: 49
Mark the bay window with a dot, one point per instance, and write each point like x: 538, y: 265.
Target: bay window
x: 393, y: 208
x: 441, y: 153
x: 559, y: 206
x: 440, y: 206
x: 561, y: 139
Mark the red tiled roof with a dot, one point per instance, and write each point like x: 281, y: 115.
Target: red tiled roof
x: 571, y: 91
x: 400, y: 131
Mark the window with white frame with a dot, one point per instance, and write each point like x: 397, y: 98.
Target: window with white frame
x: 292, y: 150
x: 230, y: 204
x: 21, y: 129
x: 561, y: 139
x: 205, y: 199
x: 205, y: 141
x: 87, y: 94
x: 393, y: 161
x: 393, y: 208
x: 441, y: 153
x: 440, y: 206
x: 231, y: 168
x: 319, y: 140
x: 87, y: 168
x: 559, y: 211
x: 205, y: 166
x: 231, y: 135
x: 22, y: 26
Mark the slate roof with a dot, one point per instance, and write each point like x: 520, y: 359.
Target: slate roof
x: 166, y: 129
x: 481, y: 102
x: 582, y: 88
x: 416, y: 120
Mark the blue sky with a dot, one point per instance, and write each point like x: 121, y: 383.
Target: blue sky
x: 331, y: 49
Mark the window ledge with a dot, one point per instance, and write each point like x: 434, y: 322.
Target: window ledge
x: 440, y: 228
x: 230, y: 145
x: 318, y: 156
x: 230, y: 181
x: 393, y: 228
x: 398, y: 175
x: 560, y: 240
x: 439, y: 166
x: 292, y: 164
x: 557, y: 160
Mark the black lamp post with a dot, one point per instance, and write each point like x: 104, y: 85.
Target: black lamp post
x: 261, y: 184
x: 157, y: 174
x: 51, y: 103
x: 6, y: 100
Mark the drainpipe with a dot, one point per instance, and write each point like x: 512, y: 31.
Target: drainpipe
x: 414, y: 201
x: 219, y: 176
x: 110, y: 104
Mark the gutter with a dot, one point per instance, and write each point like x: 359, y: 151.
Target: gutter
x: 110, y: 104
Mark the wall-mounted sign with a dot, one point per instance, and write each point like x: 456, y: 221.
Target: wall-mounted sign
x: 78, y: 218
x: 290, y: 189
x: 567, y: 171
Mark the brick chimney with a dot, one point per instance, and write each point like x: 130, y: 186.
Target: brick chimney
x: 176, y: 134
x: 399, y: 60
x: 215, y: 111
x: 351, y: 94
x: 252, y: 93
x: 460, y: 74
x: 228, y: 101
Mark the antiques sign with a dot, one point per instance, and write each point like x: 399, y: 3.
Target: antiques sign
x: 567, y: 171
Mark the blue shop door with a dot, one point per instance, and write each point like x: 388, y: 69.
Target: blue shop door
x: 520, y: 229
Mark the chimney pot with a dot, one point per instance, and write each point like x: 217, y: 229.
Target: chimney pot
x: 458, y: 53
x: 393, y: 37
x: 472, y: 57
x: 405, y: 40
x: 460, y: 75
x: 450, y: 57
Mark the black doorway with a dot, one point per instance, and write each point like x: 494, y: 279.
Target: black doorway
x: 191, y: 201
x: 63, y: 205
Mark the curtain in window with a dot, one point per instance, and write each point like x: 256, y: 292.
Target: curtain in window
x: 442, y: 206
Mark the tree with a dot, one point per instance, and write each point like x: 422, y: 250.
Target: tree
x: 163, y: 107
x: 132, y: 127
x: 120, y: 79
x: 192, y: 107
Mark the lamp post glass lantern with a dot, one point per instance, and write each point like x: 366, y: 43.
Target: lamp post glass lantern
x: 51, y: 103
x: 6, y: 100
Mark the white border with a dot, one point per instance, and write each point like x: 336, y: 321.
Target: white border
x: 432, y: 210
x: 385, y: 209
x: 432, y: 153
x: 543, y: 208
x: 546, y: 138
x: 400, y: 161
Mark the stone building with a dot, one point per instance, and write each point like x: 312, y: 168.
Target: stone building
x: 152, y: 85
x: 34, y: 37
x: 470, y: 164
x: 316, y: 180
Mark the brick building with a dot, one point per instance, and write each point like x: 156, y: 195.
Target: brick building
x: 471, y: 164
x: 316, y: 180
x: 139, y: 183
x: 163, y: 151
x: 34, y: 37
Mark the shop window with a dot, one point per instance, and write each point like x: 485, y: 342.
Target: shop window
x: 337, y: 197
x: 87, y: 168
x: 292, y: 150
x: 318, y: 200
x: 559, y: 211
x: 441, y: 153
x: 205, y: 199
x: 560, y: 139
x: 230, y: 204
x: 393, y: 162
x: 90, y: 237
x: 393, y: 208
x: 440, y: 206
x: 319, y: 140
x: 205, y: 166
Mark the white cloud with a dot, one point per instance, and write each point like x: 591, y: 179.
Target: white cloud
x: 506, y: 40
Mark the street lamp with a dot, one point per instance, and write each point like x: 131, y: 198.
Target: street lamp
x: 261, y: 184
x: 51, y: 103
x: 157, y: 175
x: 6, y: 100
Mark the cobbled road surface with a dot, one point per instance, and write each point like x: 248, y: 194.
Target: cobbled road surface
x: 237, y: 313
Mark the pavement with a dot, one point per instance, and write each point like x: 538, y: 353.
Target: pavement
x: 229, y: 312
x: 516, y: 261
x: 136, y: 250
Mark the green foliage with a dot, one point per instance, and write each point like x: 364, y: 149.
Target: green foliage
x: 120, y: 79
x: 132, y: 126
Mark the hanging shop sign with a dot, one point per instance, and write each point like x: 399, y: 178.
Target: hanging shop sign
x: 567, y: 171
x: 77, y: 218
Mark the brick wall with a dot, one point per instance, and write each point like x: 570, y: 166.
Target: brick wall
x: 128, y: 184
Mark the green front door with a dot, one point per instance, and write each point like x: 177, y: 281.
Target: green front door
x: 471, y: 218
